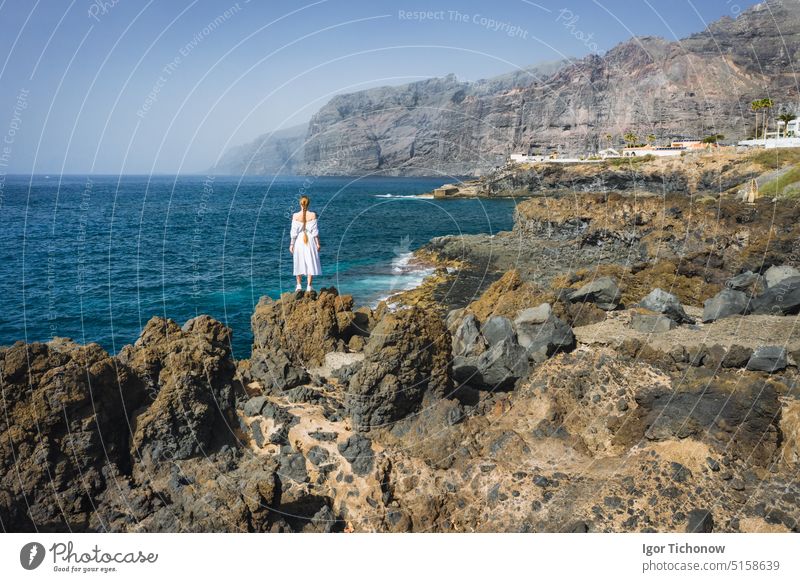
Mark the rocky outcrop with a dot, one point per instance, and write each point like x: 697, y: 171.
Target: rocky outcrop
x: 64, y: 432
x: 303, y: 328
x: 100, y: 443
x: 188, y: 373
x: 407, y: 356
x: 496, y: 353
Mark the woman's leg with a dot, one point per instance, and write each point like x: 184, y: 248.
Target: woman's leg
x: 299, y: 280
x: 309, y: 279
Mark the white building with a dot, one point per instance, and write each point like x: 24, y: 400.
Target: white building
x: 609, y: 153
x: 675, y: 148
x: 772, y: 142
x: 524, y: 158
x: 787, y: 136
x: 792, y: 128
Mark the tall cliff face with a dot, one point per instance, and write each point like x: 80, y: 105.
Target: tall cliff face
x: 277, y: 152
x: 693, y: 87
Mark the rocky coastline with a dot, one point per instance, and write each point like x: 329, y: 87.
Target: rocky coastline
x: 613, y: 363
x: 712, y: 173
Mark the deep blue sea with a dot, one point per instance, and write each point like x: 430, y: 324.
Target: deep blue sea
x: 93, y: 258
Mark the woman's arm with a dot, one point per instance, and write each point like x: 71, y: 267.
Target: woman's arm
x: 313, y: 232
x: 295, y: 230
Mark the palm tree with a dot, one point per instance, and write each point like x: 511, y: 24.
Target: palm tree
x: 651, y: 139
x: 786, y: 118
x: 756, y: 106
x: 630, y: 138
x: 766, y: 104
x: 609, y: 139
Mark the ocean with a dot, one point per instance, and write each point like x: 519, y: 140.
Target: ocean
x: 93, y: 258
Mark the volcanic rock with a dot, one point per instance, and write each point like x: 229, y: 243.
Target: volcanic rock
x: 776, y: 274
x: 603, y: 291
x: 783, y: 298
x: 768, y: 359
x: 724, y: 304
x: 408, y: 354
x: 667, y: 304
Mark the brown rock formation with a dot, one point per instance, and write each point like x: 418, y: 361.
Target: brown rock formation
x: 64, y: 432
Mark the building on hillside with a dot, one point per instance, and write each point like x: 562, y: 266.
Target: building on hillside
x: 524, y: 158
x: 675, y: 148
x: 609, y: 153
x: 787, y: 136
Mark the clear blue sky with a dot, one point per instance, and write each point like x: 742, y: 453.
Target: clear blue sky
x: 164, y: 86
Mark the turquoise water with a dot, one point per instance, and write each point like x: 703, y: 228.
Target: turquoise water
x: 93, y: 258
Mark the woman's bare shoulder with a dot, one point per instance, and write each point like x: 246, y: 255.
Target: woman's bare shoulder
x: 309, y: 215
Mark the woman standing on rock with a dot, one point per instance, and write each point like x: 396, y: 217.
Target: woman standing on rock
x: 304, y: 244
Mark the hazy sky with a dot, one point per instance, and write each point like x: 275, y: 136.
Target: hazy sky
x: 124, y: 86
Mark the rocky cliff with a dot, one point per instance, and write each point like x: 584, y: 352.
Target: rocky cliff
x: 277, y: 153
x: 697, y: 86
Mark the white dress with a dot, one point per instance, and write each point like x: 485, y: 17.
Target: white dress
x: 306, y: 256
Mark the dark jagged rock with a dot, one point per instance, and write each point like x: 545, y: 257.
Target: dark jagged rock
x: 63, y: 432
x: 768, y: 359
x: 736, y: 357
x: 274, y: 369
x: 293, y: 466
x: 318, y: 455
x: 746, y: 282
x: 258, y: 435
x: 304, y: 329
x: 500, y: 364
x: 727, y: 411
x: 344, y: 373
x: 499, y: 367
x: 775, y: 274
x: 408, y: 354
x: 193, y: 405
x: 542, y: 334
x: 253, y: 406
x: 700, y: 521
x: 603, y: 291
x: 467, y: 338
x: 323, y: 436
x: 357, y: 450
x: 498, y: 329
x: 667, y: 304
x: 724, y: 304
x: 783, y: 298
x: 651, y: 322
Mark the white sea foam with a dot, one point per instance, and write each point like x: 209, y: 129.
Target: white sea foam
x: 424, y: 196
x: 408, y: 275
